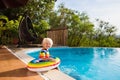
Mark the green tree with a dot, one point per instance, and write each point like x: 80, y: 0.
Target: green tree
x: 78, y: 24
x: 105, y: 34
x: 38, y: 10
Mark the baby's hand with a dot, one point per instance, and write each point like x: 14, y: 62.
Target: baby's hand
x: 37, y: 61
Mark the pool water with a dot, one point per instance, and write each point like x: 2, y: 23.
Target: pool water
x: 87, y: 63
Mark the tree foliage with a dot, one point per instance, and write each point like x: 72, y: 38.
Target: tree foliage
x: 81, y: 31
x: 78, y: 24
x: 8, y: 29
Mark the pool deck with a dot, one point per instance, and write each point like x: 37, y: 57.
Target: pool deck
x: 13, y: 67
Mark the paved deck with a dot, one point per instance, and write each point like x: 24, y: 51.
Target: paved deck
x: 11, y: 68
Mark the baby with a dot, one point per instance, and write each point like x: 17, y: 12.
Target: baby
x: 44, y: 54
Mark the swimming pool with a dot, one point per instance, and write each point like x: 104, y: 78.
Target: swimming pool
x: 87, y: 63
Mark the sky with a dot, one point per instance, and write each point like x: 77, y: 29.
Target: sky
x: 106, y: 10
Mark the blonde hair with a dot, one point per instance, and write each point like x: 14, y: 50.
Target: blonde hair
x: 47, y: 40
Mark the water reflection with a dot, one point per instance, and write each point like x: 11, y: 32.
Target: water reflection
x: 105, y: 52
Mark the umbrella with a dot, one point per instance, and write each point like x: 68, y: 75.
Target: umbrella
x: 12, y: 3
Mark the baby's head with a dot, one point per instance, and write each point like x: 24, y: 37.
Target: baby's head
x: 47, y: 43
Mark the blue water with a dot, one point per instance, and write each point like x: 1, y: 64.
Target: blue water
x: 87, y: 63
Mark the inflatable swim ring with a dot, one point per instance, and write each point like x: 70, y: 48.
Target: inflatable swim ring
x: 43, y: 65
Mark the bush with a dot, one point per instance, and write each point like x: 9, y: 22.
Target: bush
x: 8, y: 30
